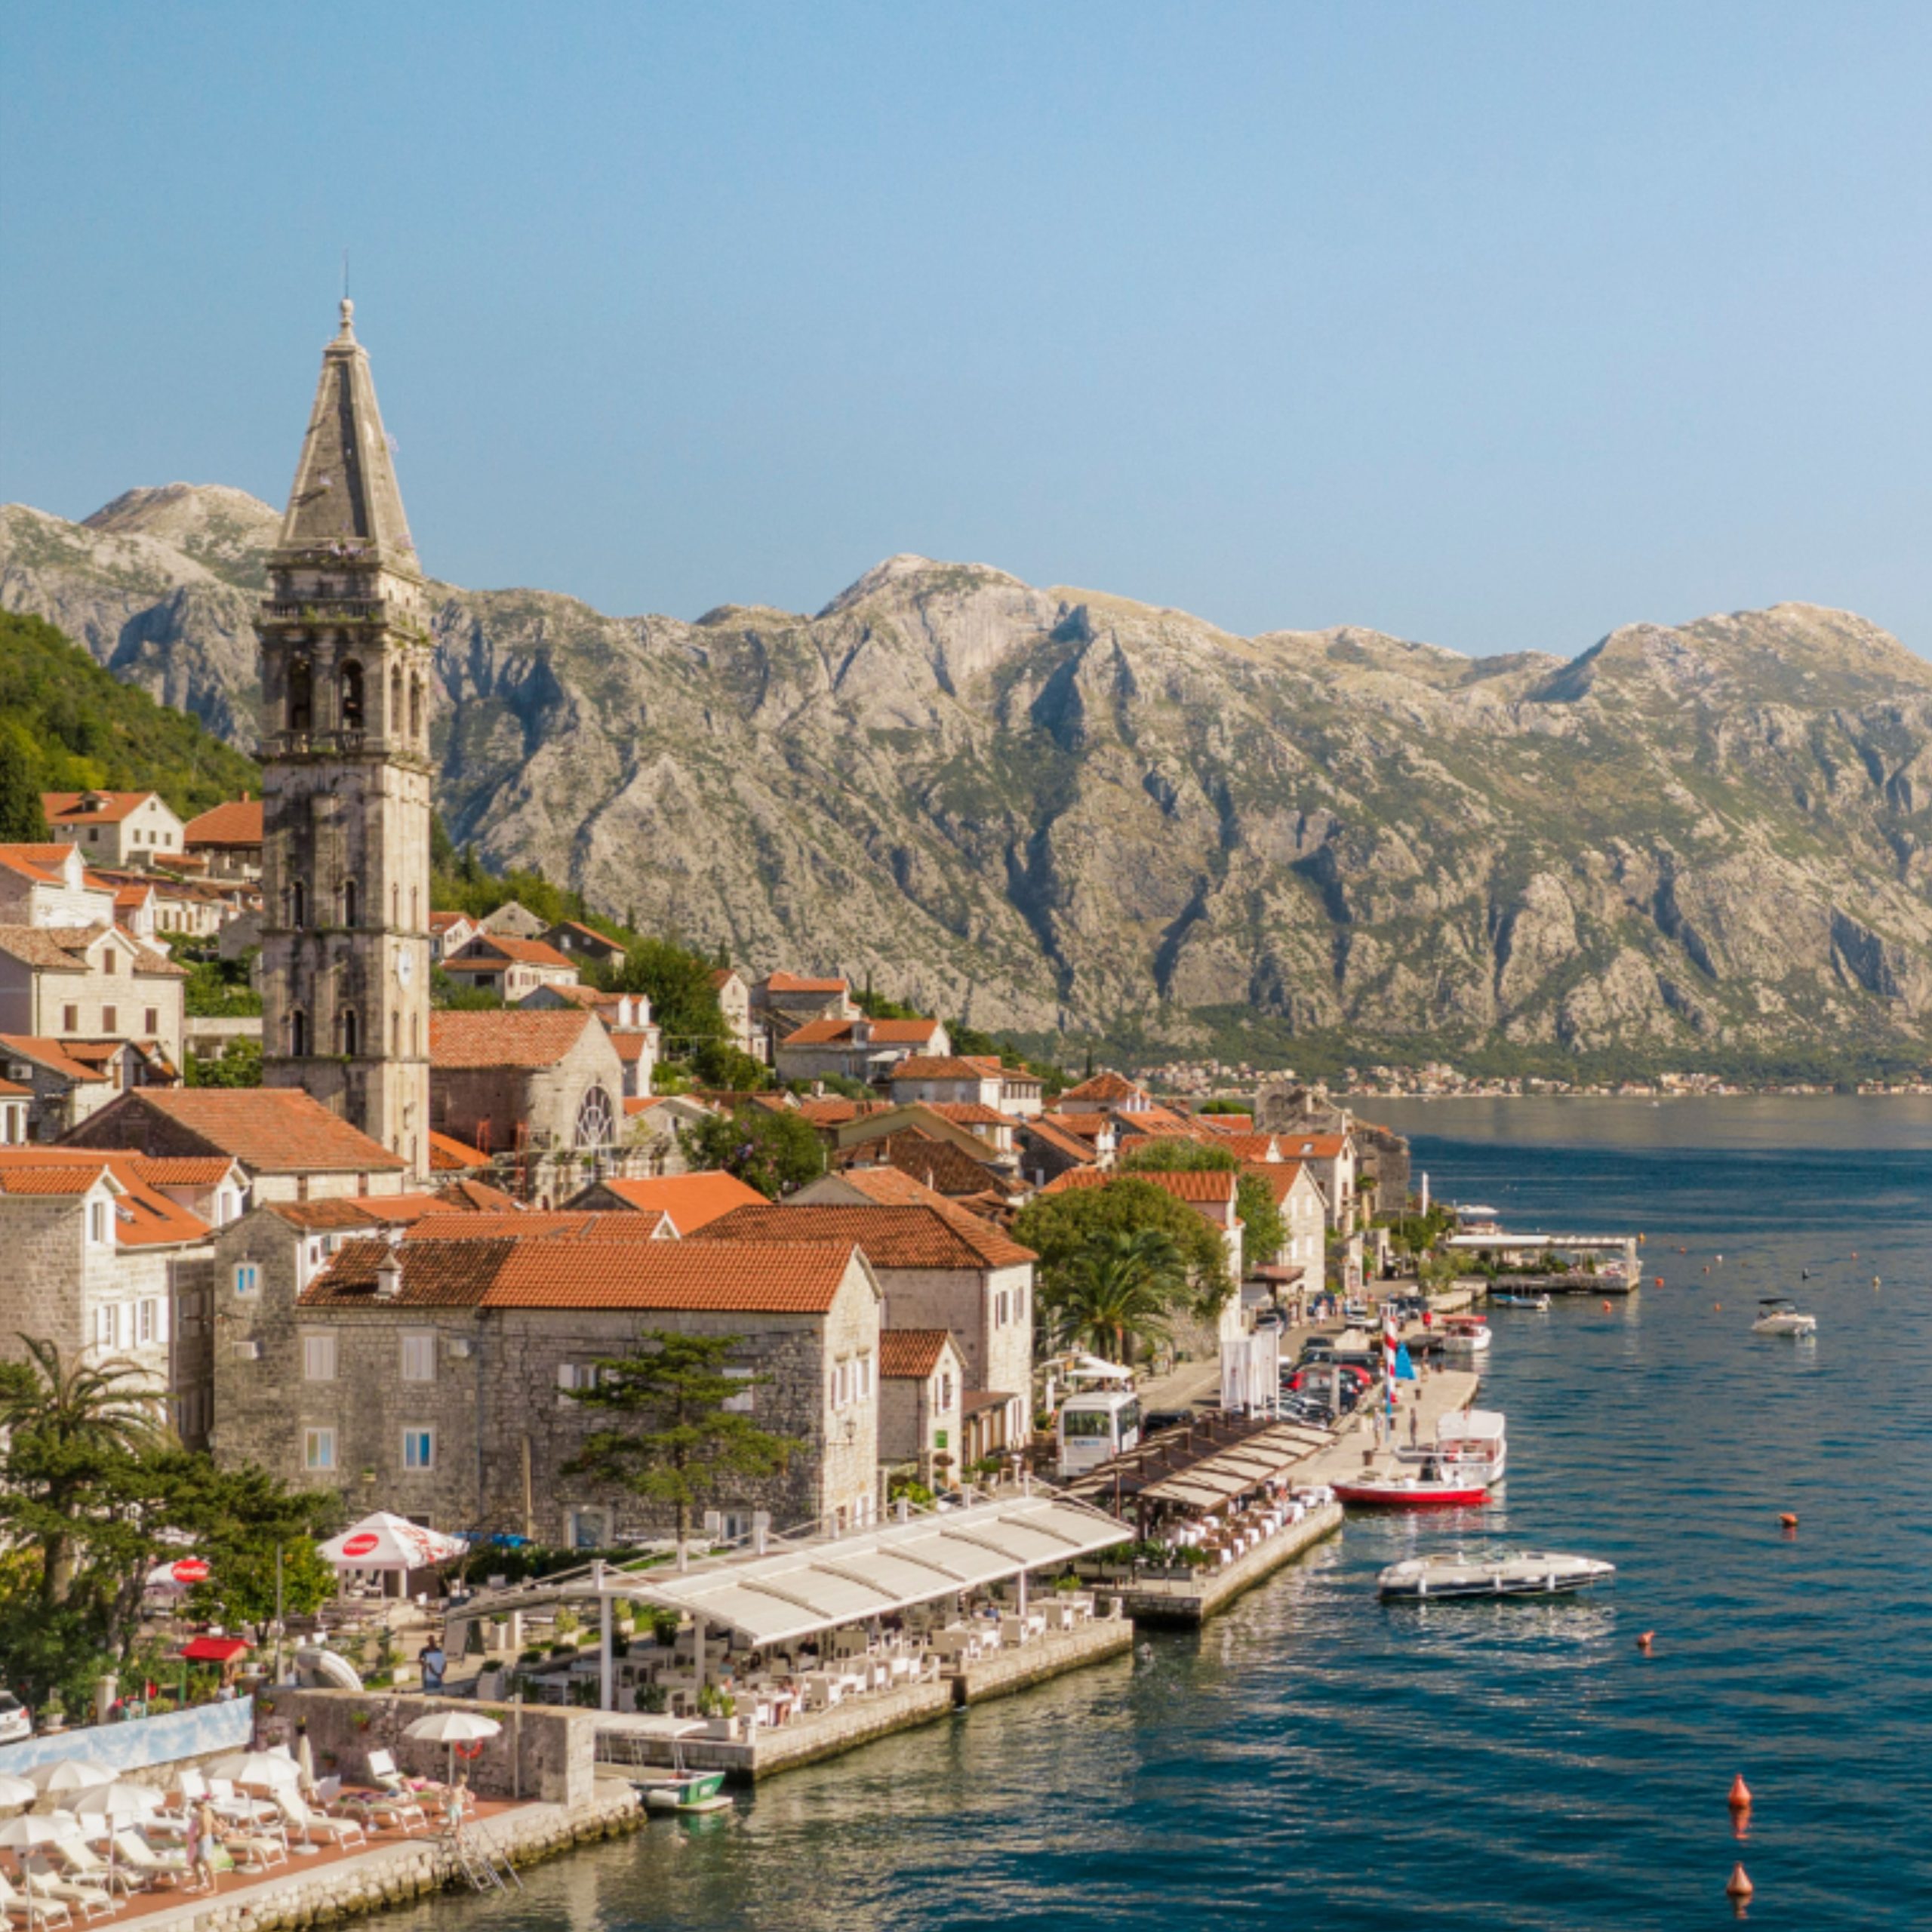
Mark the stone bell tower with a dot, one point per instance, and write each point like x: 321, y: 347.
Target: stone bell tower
x: 346, y: 684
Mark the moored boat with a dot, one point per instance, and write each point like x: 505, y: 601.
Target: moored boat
x: 1525, y: 1573
x: 1463, y: 1334
x: 684, y: 1791
x: 1427, y: 1491
x: 1539, y: 1303
x: 1779, y: 1315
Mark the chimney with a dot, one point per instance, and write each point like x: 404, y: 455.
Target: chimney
x: 388, y: 1274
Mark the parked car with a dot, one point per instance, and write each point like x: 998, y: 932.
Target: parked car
x: 16, y: 1720
x: 1270, y: 1318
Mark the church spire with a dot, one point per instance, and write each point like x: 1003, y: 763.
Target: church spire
x: 345, y: 493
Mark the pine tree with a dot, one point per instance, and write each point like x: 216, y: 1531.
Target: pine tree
x: 684, y: 1443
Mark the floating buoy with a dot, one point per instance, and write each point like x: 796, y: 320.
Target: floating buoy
x: 1718, y: 1306
x: 1874, y: 1281
x: 1854, y: 1254
x: 1643, y: 1642
x: 1739, y: 1886
x: 1740, y: 1794
x: 1606, y: 1308
x: 1658, y: 1279
x: 1789, y: 1520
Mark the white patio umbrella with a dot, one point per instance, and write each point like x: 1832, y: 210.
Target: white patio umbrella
x: 65, y: 1774
x: 387, y: 1542
x: 256, y: 1767
x: 453, y: 1727
x: 114, y: 1805
x: 16, y: 1790
x: 26, y: 1832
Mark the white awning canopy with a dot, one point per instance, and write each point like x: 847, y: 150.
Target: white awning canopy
x: 786, y: 1595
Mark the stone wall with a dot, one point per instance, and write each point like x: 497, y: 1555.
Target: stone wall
x: 542, y: 1752
x: 467, y: 1101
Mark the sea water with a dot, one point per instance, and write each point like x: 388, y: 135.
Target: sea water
x: 1312, y: 1758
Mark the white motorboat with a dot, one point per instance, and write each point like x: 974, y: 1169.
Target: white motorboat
x: 1471, y: 1444
x: 1463, y: 1334
x: 1539, y: 1303
x: 1526, y: 1573
x: 1779, y: 1315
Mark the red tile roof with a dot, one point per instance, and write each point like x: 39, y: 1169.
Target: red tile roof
x: 51, y: 1054
x: 790, y: 983
x: 968, y: 1113
x: 63, y: 949
x: 237, y: 823
x: 748, y: 1278
x: 911, y: 1354
x: 692, y: 1201
x: 1226, y: 1123
x: 1279, y: 1177
x: 110, y: 808
x: 142, y: 1216
x: 184, y: 1170
x: 1104, y: 1085
x: 448, y: 1154
x: 884, y: 1032
x: 928, y: 1236
x: 1056, y: 1137
x: 517, y: 1036
x: 943, y: 1165
x: 1249, y: 1146
x: 1086, y: 1127
x: 273, y: 1130
x: 440, y: 922
x: 1312, y: 1146
x: 1214, y: 1186
x: 943, y: 1066
x: 888, y: 1187
x: 487, y: 951
x: 12, y: 1090
x: 603, y: 940
x: 476, y: 1197
x: 835, y: 1110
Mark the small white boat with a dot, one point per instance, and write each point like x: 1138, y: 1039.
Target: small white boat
x: 1778, y: 1315
x: 1528, y: 1573
x: 1463, y: 1334
x: 1539, y: 1303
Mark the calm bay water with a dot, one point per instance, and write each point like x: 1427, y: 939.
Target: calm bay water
x: 1311, y: 1758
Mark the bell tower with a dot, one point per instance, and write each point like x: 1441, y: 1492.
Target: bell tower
x: 346, y: 684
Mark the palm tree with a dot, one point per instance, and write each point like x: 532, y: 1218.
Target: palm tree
x: 60, y: 1419
x: 1118, y: 1292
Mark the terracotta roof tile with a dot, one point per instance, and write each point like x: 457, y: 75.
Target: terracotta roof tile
x: 1056, y: 1137
x: 475, y: 1197
x: 273, y: 1130
x: 968, y: 1113
x: 692, y: 1201
x: 884, y: 1032
x: 142, y: 1216
x: 1312, y: 1146
x: 943, y: 1165
x: 13, y: 1090
x: 943, y: 1066
x: 489, y: 950
x: 1279, y: 1176
x: 440, y: 922
x: 751, y: 1277
x: 51, y: 1054
x: 911, y: 1354
x: 237, y: 823
x: 1214, y: 1186
x: 834, y: 1110
x: 64, y: 807
x: 887, y: 1187
x: 1086, y: 1127
x: 928, y: 1236
x: 517, y: 1036
x: 1104, y: 1085
x: 184, y: 1170
x: 448, y: 1154
x: 1226, y: 1123
x: 790, y: 983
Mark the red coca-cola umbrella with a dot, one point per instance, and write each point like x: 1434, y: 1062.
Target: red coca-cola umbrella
x: 182, y: 1572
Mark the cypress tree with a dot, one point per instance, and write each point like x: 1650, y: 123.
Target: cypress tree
x: 22, y: 822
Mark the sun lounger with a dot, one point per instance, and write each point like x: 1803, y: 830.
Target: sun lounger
x: 319, y: 1825
x: 133, y: 1852
x: 44, y: 1882
x: 41, y: 1911
x: 386, y: 1809
x: 84, y: 1863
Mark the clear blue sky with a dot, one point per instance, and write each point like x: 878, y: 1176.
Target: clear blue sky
x: 1495, y: 325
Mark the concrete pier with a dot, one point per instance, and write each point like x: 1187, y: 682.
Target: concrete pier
x: 1184, y: 1602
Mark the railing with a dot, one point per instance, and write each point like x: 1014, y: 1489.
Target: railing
x: 330, y: 611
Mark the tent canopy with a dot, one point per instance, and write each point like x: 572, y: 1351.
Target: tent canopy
x: 798, y: 1593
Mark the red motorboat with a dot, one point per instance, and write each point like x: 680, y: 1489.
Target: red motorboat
x: 1404, y: 1491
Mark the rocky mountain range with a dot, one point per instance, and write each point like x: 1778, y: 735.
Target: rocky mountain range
x: 1053, y: 810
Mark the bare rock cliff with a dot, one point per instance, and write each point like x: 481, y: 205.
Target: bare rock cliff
x: 1049, y: 808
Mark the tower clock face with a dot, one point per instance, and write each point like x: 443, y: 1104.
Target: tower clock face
x: 405, y: 966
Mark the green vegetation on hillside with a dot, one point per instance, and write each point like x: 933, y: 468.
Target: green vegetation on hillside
x: 69, y: 726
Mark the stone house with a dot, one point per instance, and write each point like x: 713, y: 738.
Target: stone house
x: 291, y: 1146
x: 1304, y: 1212
x: 434, y: 1375
x: 89, y: 982
x: 450, y: 933
x: 62, y: 1090
x: 951, y: 1079
x: 510, y: 968
x: 938, y: 1267
x: 978, y: 1133
x: 734, y: 1001
x: 546, y: 1083
x: 921, y: 1385
x: 857, y: 1049
x: 1330, y: 1158
x: 1294, y: 1113
x: 113, y: 828
x: 869, y: 1171
x: 228, y: 839
x: 108, y: 1266
x: 1047, y: 1150
x: 584, y: 944
x: 51, y: 885
x: 782, y: 1002
x: 626, y: 1018
x: 514, y: 920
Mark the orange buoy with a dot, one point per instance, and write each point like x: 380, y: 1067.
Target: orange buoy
x: 1739, y: 1885
x: 1606, y: 1308
x: 1740, y: 1794
x: 1658, y: 1279
x: 1789, y: 1520
x: 1643, y: 1642
x: 1718, y: 1306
